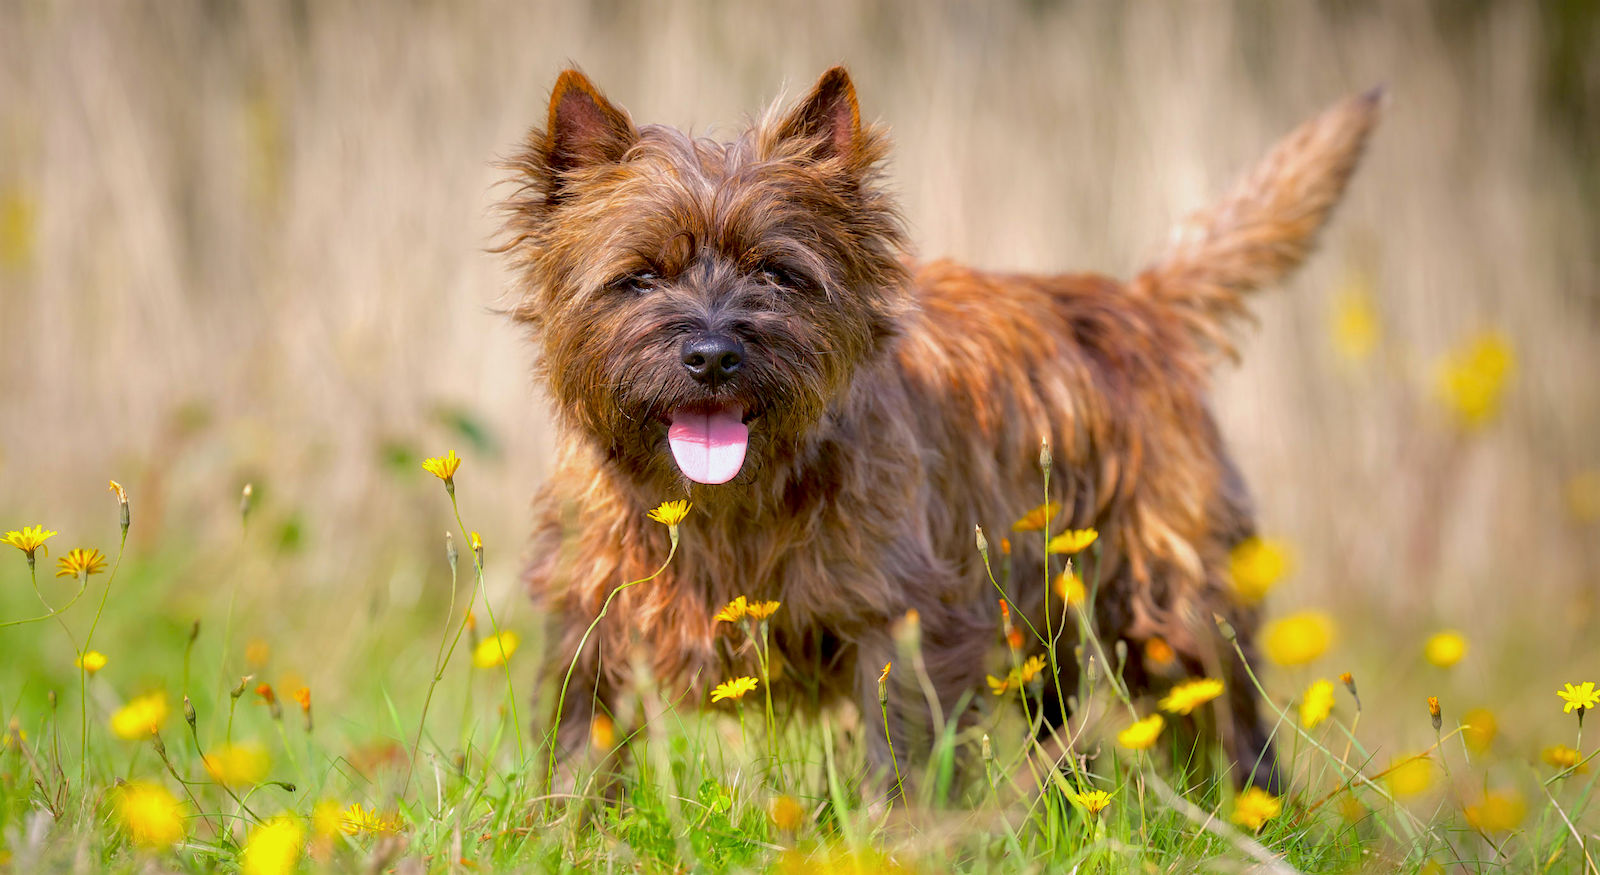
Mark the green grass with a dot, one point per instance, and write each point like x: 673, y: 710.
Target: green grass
x: 690, y: 789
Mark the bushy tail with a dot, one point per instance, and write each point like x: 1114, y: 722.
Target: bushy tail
x: 1265, y: 227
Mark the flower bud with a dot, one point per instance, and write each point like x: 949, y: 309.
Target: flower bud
x: 983, y: 543
x: 188, y: 712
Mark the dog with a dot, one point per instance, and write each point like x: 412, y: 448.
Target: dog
x: 740, y: 324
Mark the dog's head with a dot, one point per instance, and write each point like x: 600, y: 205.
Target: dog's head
x: 698, y: 305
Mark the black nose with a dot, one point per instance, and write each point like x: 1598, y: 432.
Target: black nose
x: 711, y: 358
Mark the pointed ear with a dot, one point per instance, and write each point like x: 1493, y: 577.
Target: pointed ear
x: 584, y: 128
x: 829, y: 116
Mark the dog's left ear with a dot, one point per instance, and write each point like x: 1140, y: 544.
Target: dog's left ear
x: 829, y: 118
x: 584, y: 128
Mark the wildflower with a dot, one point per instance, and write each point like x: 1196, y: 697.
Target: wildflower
x: 1071, y: 541
x: 983, y: 542
x: 1446, y: 648
x: 237, y: 765
x: 1298, y: 638
x: 91, y: 662
x: 787, y: 814
x: 734, y: 689
x: 998, y: 686
x: 1579, y: 698
x: 1256, y: 565
x: 274, y: 847
x: 122, y: 504
x: 762, y: 610
x: 1141, y: 734
x: 270, y: 699
x: 443, y: 467
x: 1410, y: 776
x: 326, y: 819
x: 908, y: 632
x: 1356, y: 329
x: 1189, y: 695
x: 1070, y: 589
x: 1433, y: 712
x: 1349, y: 681
x: 28, y: 540
x: 1254, y: 807
x: 602, y: 733
x: 1563, y: 757
x: 1472, y: 378
x: 358, y: 820
x: 80, y: 563
x: 1316, y: 704
x: 475, y: 540
x: 495, y: 649
x: 1038, y: 519
x: 1014, y: 638
x: 1498, y: 811
x: 1005, y: 546
x: 1031, y: 668
x: 1158, y: 652
x: 302, y: 697
x: 670, y: 513
x: 151, y: 814
x: 1092, y: 801
x: 734, y: 611
x: 1478, y: 729
x: 141, y: 717
x: 883, y: 685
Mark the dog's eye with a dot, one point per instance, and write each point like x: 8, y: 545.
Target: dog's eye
x: 778, y: 275
x: 638, y: 283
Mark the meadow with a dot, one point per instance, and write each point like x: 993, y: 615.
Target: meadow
x: 242, y: 275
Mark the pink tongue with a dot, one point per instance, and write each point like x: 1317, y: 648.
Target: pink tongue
x: 709, y: 446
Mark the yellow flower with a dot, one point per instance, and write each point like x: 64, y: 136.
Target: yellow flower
x: 1446, y: 648
x: 997, y: 685
x: 1563, y: 757
x: 1254, y: 807
x: 1037, y: 519
x: 1032, y: 667
x: 762, y: 610
x: 495, y: 649
x: 443, y: 467
x: 91, y: 662
x: 1478, y: 729
x: 140, y: 717
x: 80, y: 561
x: 602, y: 733
x: 1158, y: 652
x: 1498, y: 811
x: 1141, y: 734
x: 1189, y: 695
x: 274, y: 847
x: 1092, y: 801
x: 1256, y: 565
x: 1410, y: 776
x: 359, y: 820
x: 151, y: 814
x: 787, y: 814
x: 735, y: 611
x: 734, y: 689
x: 28, y: 540
x: 1580, y: 697
x: 1316, y: 704
x: 1298, y: 638
x: 1473, y: 378
x: 237, y: 765
x: 1071, y: 541
x: 1070, y: 589
x: 670, y: 513
x: 327, y: 820
x: 1356, y: 329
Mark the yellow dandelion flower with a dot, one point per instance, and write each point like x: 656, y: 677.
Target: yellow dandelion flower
x: 1433, y: 712
x: 1498, y: 811
x: 1031, y: 668
x: 151, y: 814
x: 274, y: 847
x: 787, y: 813
x: 1092, y: 801
x: 91, y: 661
x: 1410, y: 776
x: 237, y: 765
x: 1316, y: 704
x: 29, y: 540
x: 670, y: 513
x: 79, y: 561
x: 1472, y: 378
x: 141, y: 717
x: 734, y: 611
x: 1446, y: 648
x: 1070, y: 589
x: 998, y: 686
x: 365, y: 820
x: 1071, y: 541
x: 1141, y: 734
x: 1038, y: 519
x: 884, y: 677
x: 495, y: 650
x: 1298, y: 638
x: 1254, y: 807
x: 327, y: 820
x: 762, y: 610
x: 443, y: 467
x: 602, y: 733
x: 1579, y: 698
x: 1158, y: 652
x: 1256, y: 565
x: 734, y: 689
x: 1563, y: 757
x: 1355, y: 324
x: 1189, y: 695
x: 1478, y: 729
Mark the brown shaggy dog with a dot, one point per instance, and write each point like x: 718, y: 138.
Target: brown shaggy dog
x: 739, y: 324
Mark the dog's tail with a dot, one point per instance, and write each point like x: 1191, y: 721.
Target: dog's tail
x: 1265, y: 227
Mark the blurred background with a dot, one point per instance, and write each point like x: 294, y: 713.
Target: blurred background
x: 246, y: 243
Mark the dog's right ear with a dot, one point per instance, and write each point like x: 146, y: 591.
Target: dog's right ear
x: 584, y: 129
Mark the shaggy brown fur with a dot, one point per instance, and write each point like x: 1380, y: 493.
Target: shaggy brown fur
x: 892, y: 406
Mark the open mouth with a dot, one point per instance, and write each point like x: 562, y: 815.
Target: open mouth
x: 709, y: 443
